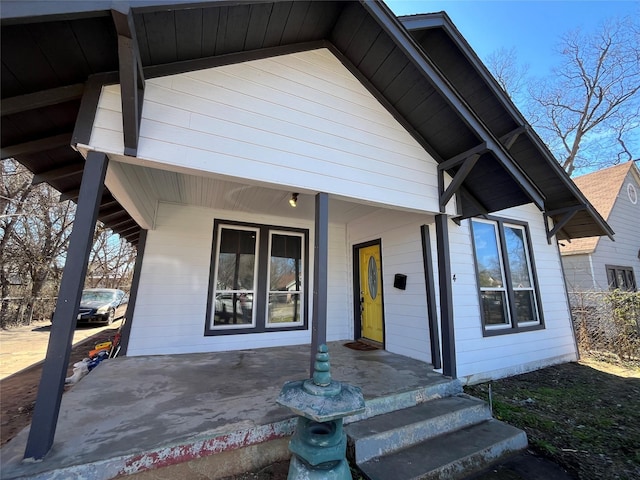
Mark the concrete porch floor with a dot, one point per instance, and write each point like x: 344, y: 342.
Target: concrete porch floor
x: 134, y: 414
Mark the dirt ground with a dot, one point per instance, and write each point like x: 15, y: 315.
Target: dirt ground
x: 583, y: 417
x: 18, y: 392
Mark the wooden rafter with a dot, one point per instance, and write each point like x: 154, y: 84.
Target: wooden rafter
x: 43, y: 98
x: 36, y: 146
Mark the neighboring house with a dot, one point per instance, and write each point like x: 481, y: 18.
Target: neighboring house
x: 598, y: 263
x: 427, y: 208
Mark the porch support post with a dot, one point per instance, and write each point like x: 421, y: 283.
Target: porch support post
x: 430, y: 284
x: 446, y: 297
x: 54, y: 370
x: 133, y: 294
x: 320, y: 261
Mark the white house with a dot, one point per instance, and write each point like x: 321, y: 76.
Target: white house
x: 428, y: 211
x: 595, y: 264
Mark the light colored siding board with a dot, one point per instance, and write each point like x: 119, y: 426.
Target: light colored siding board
x: 278, y: 121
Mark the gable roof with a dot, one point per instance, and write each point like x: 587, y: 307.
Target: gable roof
x: 52, y: 52
x: 601, y: 189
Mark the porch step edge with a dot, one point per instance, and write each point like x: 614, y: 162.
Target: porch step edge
x: 450, y: 456
x: 410, y: 398
x: 400, y: 429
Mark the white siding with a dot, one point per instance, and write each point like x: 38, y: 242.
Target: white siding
x: 300, y: 121
x: 481, y: 358
x: 578, y: 272
x: 405, y: 311
x: 170, y: 310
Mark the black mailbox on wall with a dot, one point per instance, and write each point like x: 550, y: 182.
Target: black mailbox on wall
x: 400, y: 281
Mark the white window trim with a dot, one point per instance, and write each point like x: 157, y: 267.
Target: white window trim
x: 212, y: 325
x: 268, y: 323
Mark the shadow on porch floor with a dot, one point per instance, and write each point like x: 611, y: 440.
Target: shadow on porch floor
x: 135, y: 413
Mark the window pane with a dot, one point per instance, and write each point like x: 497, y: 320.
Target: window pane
x: 233, y: 309
x: 525, y: 311
x: 494, y: 308
x: 236, y: 260
x: 631, y: 281
x: 285, y: 279
x: 487, y: 257
x: 236, y: 275
x: 621, y: 280
x: 285, y: 269
x: 611, y: 276
x: 518, y: 262
x: 284, y: 308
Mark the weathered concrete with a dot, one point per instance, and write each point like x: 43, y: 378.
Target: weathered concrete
x: 394, y: 431
x: 450, y: 456
x: 134, y: 414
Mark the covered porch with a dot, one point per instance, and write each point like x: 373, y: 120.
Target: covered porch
x: 216, y: 411
x: 211, y: 412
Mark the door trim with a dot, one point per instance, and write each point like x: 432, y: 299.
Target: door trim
x: 357, y: 323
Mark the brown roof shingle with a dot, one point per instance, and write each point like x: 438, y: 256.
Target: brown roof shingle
x: 601, y: 189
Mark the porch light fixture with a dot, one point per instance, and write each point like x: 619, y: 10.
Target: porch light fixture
x: 293, y: 201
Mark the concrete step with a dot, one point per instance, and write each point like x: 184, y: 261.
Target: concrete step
x: 450, y: 456
x: 442, y: 387
x: 396, y: 430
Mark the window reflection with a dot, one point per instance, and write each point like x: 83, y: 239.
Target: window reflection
x: 235, y: 277
x: 285, y: 279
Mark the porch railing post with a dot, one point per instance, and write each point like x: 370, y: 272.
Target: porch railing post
x: 54, y: 370
x: 320, y: 261
x: 446, y: 297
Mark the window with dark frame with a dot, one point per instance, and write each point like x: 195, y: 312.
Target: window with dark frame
x: 258, y: 279
x: 507, y: 285
x: 621, y: 278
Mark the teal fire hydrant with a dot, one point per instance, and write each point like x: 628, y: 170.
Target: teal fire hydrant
x: 319, y: 444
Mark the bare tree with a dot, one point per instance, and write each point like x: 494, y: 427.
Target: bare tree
x: 111, y: 261
x: 15, y: 182
x: 34, y: 235
x: 590, y: 107
x: 509, y: 74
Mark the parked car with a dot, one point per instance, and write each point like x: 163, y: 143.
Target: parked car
x: 102, y: 305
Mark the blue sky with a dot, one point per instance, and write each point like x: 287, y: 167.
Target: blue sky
x: 532, y: 27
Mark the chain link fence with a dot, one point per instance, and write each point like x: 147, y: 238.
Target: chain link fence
x: 607, y: 324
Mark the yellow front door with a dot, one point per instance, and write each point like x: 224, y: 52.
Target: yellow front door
x: 371, y: 293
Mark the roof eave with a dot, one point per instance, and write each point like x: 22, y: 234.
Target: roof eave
x: 442, y: 20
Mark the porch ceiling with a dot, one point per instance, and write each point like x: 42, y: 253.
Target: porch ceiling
x: 219, y: 193
x: 51, y: 49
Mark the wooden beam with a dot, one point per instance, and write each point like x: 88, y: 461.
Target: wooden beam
x: 128, y: 230
x: 430, y: 287
x: 567, y: 215
x: 457, y: 180
x: 510, y: 138
x: 69, y: 195
x: 131, y: 79
x: 43, y: 98
x: 461, y: 157
x: 36, y: 146
x: 54, y: 370
x: 61, y: 172
x: 446, y: 298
